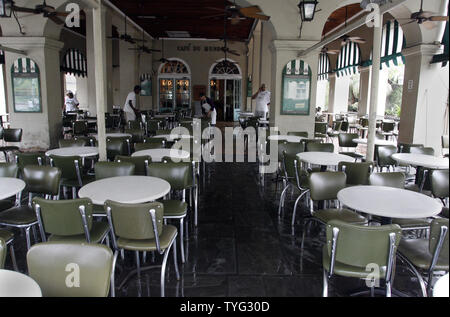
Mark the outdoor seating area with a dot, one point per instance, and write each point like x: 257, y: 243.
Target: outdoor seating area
x: 219, y: 150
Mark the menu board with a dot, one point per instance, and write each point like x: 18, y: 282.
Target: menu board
x: 26, y: 92
x: 296, y: 95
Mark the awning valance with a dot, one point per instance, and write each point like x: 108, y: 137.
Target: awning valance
x: 324, y: 66
x: 349, y: 60
x: 74, y: 63
x: 24, y: 66
x: 296, y: 67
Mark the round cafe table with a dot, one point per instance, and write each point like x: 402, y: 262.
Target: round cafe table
x: 113, y: 135
x: 377, y: 142
x: 10, y: 186
x: 158, y: 154
x: 82, y: 151
x: 288, y: 138
x: 324, y: 158
x: 14, y: 284
x: 125, y: 189
x: 422, y: 160
x: 440, y: 289
x: 389, y: 202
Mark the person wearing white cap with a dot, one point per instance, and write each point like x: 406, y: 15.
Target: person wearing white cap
x: 71, y: 103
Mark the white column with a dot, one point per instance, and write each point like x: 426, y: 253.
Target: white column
x: 364, y: 91
x: 100, y: 76
x: 341, y: 92
x: 374, y: 88
x: 382, y: 91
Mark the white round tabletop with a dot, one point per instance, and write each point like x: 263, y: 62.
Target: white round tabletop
x: 158, y: 154
x: 389, y: 202
x: 288, y: 138
x: 324, y: 158
x: 113, y: 135
x: 377, y: 141
x: 171, y: 137
x: 10, y: 186
x: 161, y: 116
x: 14, y: 284
x: 427, y: 161
x: 125, y: 189
x: 440, y: 289
x: 82, y: 151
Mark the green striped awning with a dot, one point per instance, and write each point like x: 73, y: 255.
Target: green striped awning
x: 296, y: 67
x: 74, y: 63
x: 2, y: 57
x: 348, y: 60
x: 24, y: 66
x: 444, y: 57
x: 324, y: 66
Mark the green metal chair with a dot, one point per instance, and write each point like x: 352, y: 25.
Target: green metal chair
x: 148, y: 146
x: 69, y: 221
x: 163, y: 132
x: 71, y: 172
x: 300, y: 134
x: 140, y: 228
x: 383, y: 154
x: 7, y: 237
x: 72, y: 269
x: 423, y: 174
x: 320, y: 147
x: 387, y: 129
x: 320, y: 130
x: 152, y: 126
x: 336, y: 129
x: 2, y: 253
x: 155, y: 140
x: 80, y: 127
x: 346, y: 141
x: 422, y: 150
x: 10, y: 170
x: 180, y: 178
x: 344, y: 126
x: 440, y: 185
x: 41, y: 180
x: 72, y: 143
x: 117, y: 146
x: 357, y: 173
x: 352, y: 249
x: 392, y: 179
x: 29, y: 158
x: 113, y: 169
x: 406, y: 147
x: 88, y: 140
x: 11, y: 135
x: 135, y: 125
x: 427, y: 255
x: 140, y: 163
x: 137, y: 135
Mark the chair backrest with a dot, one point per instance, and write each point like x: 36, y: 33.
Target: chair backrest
x: 12, y: 135
x: 2, y: 253
x: 422, y: 150
x: 320, y: 147
x: 72, y: 143
x: 344, y: 126
x: 71, y: 269
x: 445, y: 141
x: 113, y: 169
x: 80, y: 127
x: 337, y: 125
x: 70, y: 166
x: 326, y: 185
x: 155, y: 140
x: 148, y: 146
x: 116, y: 146
x: 290, y: 152
x: 137, y: 135
x: 29, y: 158
x: 359, y: 245
x: 364, y: 122
x: 9, y: 170
x: 346, y: 139
x: 440, y: 183
x: 42, y: 179
x: 63, y: 217
x: 178, y: 175
x: 135, y: 125
x: 88, y: 140
x: 395, y: 179
x: 163, y: 132
x: 133, y: 221
x: 357, y: 173
x: 384, y: 153
x: 439, y: 231
x: 388, y: 126
x: 320, y: 127
x: 406, y: 148
x: 152, y: 126
x: 140, y: 163
x: 301, y: 134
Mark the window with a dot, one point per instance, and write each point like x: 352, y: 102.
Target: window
x: 296, y: 88
x: 353, y: 94
x: 394, y: 91
x: 174, y: 86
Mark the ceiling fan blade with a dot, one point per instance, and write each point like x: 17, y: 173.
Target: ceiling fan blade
x: 56, y: 20
x: 439, y: 18
x: 234, y: 53
x: 216, y: 9
x: 426, y: 14
x: 359, y: 41
x: 412, y: 21
x: 250, y: 10
x: 212, y: 16
x: 429, y: 25
x: 22, y: 9
x: 258, y: 16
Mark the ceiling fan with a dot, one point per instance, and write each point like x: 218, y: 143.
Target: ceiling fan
x: 44, y: 9
x: 142, y: 48
x: 346, y: 38
x: 126, y: 37
x: 425, y: 18
x: 235, y: 14
x: 162, y: 60
x: 326, y: 50
x: 225, y: 47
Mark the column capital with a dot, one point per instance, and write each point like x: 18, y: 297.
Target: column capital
x: 422, y: 49
x: 27, y: 43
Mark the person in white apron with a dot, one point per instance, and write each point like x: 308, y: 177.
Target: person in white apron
x: 262, y: 97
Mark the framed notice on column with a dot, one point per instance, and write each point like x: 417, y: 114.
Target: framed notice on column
x: 26, y: 86
x: 146, y: 85
x: 296, y: 89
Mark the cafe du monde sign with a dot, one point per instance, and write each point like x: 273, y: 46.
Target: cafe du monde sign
x: 195, y: 48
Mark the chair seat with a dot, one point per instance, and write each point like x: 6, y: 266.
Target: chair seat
x: 167, y: 235
x: 346, y: 270
x: 6, y: 204
x: 6, y: 235
x: 417, y: 252
x: 352, y: 154
x: 174, y: 208
x: 411, y: 223
x: 17, y: 216
x: 326, y: 215
x: 98, y: 232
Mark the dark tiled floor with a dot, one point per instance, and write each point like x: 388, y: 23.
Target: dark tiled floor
x: 241, y: 247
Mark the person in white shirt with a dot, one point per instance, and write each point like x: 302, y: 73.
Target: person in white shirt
x: 70, y: 103
x: 262, y: 97
x: 129, y: 108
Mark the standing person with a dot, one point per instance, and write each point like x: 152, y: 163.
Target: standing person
x: 206, y: 100
x: 130, y: 108
x: 70, y: 103
x: 262, y: 97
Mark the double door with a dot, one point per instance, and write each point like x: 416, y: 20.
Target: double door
x: 226, y: 94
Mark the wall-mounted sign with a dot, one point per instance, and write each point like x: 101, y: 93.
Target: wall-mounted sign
x: 296, y: 89
x: 146, y: 85
x: 196, y: 48
x: 26, y: 86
